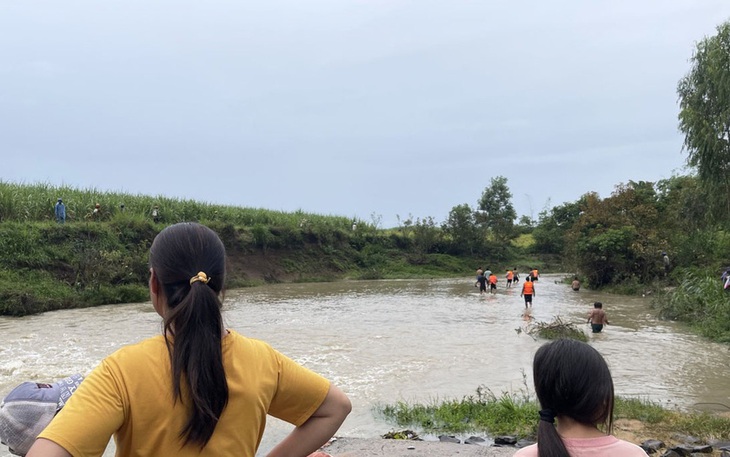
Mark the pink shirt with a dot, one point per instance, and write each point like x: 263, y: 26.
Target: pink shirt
x: 604, y: 446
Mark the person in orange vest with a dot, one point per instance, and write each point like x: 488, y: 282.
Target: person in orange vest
x: 492, y: 283
x: 510, y: 276
x: 528, y: 291
x: 534, y: 274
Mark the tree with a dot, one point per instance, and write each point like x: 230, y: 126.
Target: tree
x: 496, y: 211
x: 704, y: 117
x: 618, y: 239
x: 552, y: 226
x: 463, y: 230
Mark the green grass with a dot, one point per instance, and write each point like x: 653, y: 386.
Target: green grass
x: 94, y: 260
x: 700, y: 301
x: 517, y: 414
x: 505, y: 414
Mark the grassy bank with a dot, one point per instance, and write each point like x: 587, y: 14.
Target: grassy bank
x: 517, y: 414
x: 101, y: 258
x: 700, y: 301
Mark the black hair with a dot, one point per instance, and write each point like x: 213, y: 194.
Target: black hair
x: 598, y: 305
x: 193, y: 325
x: 571, y: 379
x: 528, y: 278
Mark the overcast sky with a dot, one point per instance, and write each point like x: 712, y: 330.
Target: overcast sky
x: 344, y: 107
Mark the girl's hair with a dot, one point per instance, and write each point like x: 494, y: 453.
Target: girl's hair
x: 193, y: 325
x: 571, y: 379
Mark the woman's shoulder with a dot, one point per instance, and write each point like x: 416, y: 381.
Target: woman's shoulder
x: 238, y: 342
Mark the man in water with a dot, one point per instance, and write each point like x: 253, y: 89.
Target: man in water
x: 597, y: 317
x: 528, y: 291
x: 492, y: 283
x: 482, y: 283
x: 575, y: 285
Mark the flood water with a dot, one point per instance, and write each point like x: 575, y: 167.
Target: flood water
x: 384, y: 341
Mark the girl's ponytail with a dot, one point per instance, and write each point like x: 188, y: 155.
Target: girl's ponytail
x: 189, y: 262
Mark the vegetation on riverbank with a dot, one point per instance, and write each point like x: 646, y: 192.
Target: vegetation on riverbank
x: 699, y: 300
x: 517, y: 414
x: 99, y: 259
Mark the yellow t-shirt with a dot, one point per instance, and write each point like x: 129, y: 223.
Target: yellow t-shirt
x: 129, y: 395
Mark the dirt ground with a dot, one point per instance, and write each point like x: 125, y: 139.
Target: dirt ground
x: 368, y: 447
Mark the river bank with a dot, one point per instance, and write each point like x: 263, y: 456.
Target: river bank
x: 370, y: 447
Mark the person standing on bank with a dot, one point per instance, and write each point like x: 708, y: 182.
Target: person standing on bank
x: 573, y: 385
x: 198, y: 389
x: 60, y: 211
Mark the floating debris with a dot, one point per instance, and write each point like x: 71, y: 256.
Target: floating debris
x: 555, y: 330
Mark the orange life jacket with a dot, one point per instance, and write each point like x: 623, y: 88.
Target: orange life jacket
x: 528, y: 288
x: 493, y: 279
x: 510, y: 275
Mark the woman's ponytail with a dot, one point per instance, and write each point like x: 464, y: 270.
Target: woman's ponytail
x: 189, y: 262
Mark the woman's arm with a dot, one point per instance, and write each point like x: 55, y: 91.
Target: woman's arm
x: 318, y: 429
x: 47, y: 448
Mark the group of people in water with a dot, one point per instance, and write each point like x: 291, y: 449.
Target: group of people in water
x: 201, y: 389
x: 487, y: 277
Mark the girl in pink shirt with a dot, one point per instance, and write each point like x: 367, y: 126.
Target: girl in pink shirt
x: 574, y: 385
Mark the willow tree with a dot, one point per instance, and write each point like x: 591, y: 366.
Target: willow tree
x: 704, y: 117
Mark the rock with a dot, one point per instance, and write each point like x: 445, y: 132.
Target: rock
x: 672, y: 453
x: 505, y: 439
x: 683, y: 450
x: 474, y: 440
x: 685, y: 438
x: 449, y: 439
x: 725, y: 453
x: 652, y: 446
x: 702, y: 449
x: 720, y: 445
x: 524, y: 442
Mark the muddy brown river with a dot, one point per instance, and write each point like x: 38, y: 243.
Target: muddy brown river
x: 384, y: 341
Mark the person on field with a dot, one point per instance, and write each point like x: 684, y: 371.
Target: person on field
x: 492, y: 283
x: 597, y: 317
x: 60, y: 211
x: 156, y: 214
x: 574, y: 386
x: 198, y: 389
x: 510, y: 277
x: 575, y: 285
x: 528, y: 291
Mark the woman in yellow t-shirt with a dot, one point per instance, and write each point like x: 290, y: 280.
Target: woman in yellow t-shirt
x: 198, y: 389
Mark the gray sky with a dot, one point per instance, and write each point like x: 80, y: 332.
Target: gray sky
x: 346, y: 107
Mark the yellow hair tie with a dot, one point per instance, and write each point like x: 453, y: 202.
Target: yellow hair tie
x: 202, y: 277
